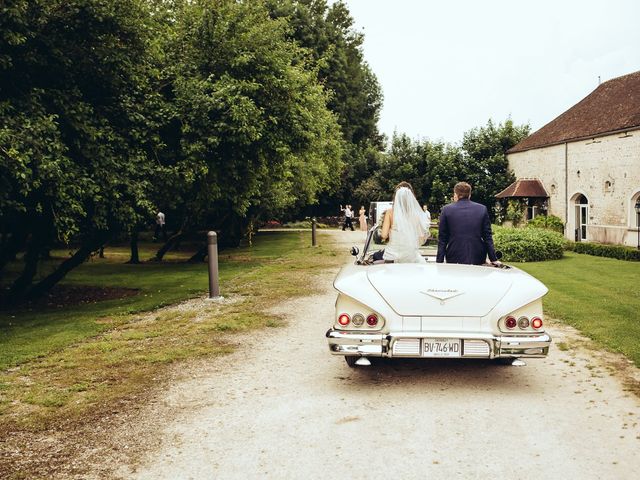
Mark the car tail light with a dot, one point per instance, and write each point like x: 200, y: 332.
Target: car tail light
x: 358, y: 320
x: 536, y: 323
x: 372, y: 320
x: 523, y: 322
x: 344, y: 319
x: 510, y: 322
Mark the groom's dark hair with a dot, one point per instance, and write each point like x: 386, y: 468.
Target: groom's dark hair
x: 462, y: 189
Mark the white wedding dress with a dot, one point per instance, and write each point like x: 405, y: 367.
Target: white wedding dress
x: 409, y: 230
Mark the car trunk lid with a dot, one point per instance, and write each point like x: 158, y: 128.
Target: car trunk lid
x: 439, y: 289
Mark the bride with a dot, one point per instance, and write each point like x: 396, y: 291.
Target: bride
x: 406, y: 226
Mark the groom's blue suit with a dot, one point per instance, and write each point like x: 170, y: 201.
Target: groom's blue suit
x: 464, y: 234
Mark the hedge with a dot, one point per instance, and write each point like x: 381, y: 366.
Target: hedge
x: 528, y: 244
x: 601, y: 250
x: 550, y: 222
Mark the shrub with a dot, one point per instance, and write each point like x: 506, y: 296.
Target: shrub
x: 601, y: 250
x: 515, y: 212
x: 305, y: 224
x: 549, y: 222
x: 528, y: 244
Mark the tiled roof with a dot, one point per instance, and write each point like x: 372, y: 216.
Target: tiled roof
x: 612, y: 107
x: 524, y: 187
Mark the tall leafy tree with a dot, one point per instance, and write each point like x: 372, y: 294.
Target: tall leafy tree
x: 485, y: 155
x: 327, y: 33
x: 247, y: 131
x: 433, y: 168
x: 74, y: 85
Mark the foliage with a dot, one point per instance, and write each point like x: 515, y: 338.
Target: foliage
x: 515, y: 211
x: 112, y: 109
x: 620, y: 252
x: 550, y: 222
x: 527, y: 244
x: 306, y: 224
x: 433, y: 168
x: 327, y: 34
x: 253, y: 125
x: 74, y: 96
x: 485, y: 156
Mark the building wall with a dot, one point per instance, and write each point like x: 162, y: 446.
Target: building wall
x: 606, y: 170
x: 547, y: 165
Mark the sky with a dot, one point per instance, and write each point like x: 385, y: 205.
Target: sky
x: 451, y: 65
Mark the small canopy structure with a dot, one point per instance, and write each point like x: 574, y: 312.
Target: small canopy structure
x: 529, y: 193
x: 524, y: 188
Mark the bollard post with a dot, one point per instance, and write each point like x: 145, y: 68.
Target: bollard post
x: 313, y: 232
x: 212, y: 252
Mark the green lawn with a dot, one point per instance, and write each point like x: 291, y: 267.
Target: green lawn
x: 599, y: 296
x: 30, y: 333
x: 74, y: 363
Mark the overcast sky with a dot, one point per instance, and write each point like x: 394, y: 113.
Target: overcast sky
x: 449, y: 65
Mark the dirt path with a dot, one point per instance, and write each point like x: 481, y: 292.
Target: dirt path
x: 282, y: 407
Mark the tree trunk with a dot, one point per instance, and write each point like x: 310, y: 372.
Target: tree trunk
x: 13, y: 245
x: 167, y: 246
x: 31, y: 258
x: 200, y: 255
x: 135, y: 258
x: 47, y: 283
x: 101, y: 252
x: 173, y: 240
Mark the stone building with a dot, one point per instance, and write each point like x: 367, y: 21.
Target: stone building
x: 588, y: 162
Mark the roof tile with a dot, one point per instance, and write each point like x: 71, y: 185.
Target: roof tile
x: 524, y: 188
x: 613, y: 106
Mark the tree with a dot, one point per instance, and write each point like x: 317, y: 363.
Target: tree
x: 247, y: 132
x: 74, y: 86
x: 432, y: 168
x: 328, y: 36
x: 485, y: 154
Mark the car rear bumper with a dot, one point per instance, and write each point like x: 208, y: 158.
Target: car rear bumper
x: 409, y: 344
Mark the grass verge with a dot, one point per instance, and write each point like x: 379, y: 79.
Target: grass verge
x: 598, y: 296
x: 69, y: 364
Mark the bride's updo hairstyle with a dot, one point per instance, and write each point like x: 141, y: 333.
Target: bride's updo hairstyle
x: 405, y: 185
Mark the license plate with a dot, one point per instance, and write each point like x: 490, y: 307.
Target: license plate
x: 441, y: 347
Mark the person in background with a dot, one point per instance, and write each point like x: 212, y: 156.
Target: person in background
x: 362, y: 217
x: 464, y: 234
x: 426, y: 210
x: 406, y: 227
x: 348, y: 217
x: 160, y: 227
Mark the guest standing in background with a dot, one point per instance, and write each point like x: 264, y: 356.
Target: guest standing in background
x: 348, y: 217
x: 160, y: 227
x: 363, y: 219
x: 426, y: 210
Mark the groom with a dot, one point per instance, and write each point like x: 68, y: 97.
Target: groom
x: 464, y: 234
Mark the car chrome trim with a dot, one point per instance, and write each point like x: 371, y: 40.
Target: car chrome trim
x: 404, y: 344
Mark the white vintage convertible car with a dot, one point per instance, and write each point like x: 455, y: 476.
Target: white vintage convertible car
x: 435, y: 310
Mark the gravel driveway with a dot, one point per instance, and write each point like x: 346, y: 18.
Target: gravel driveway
x: 282, y: 407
